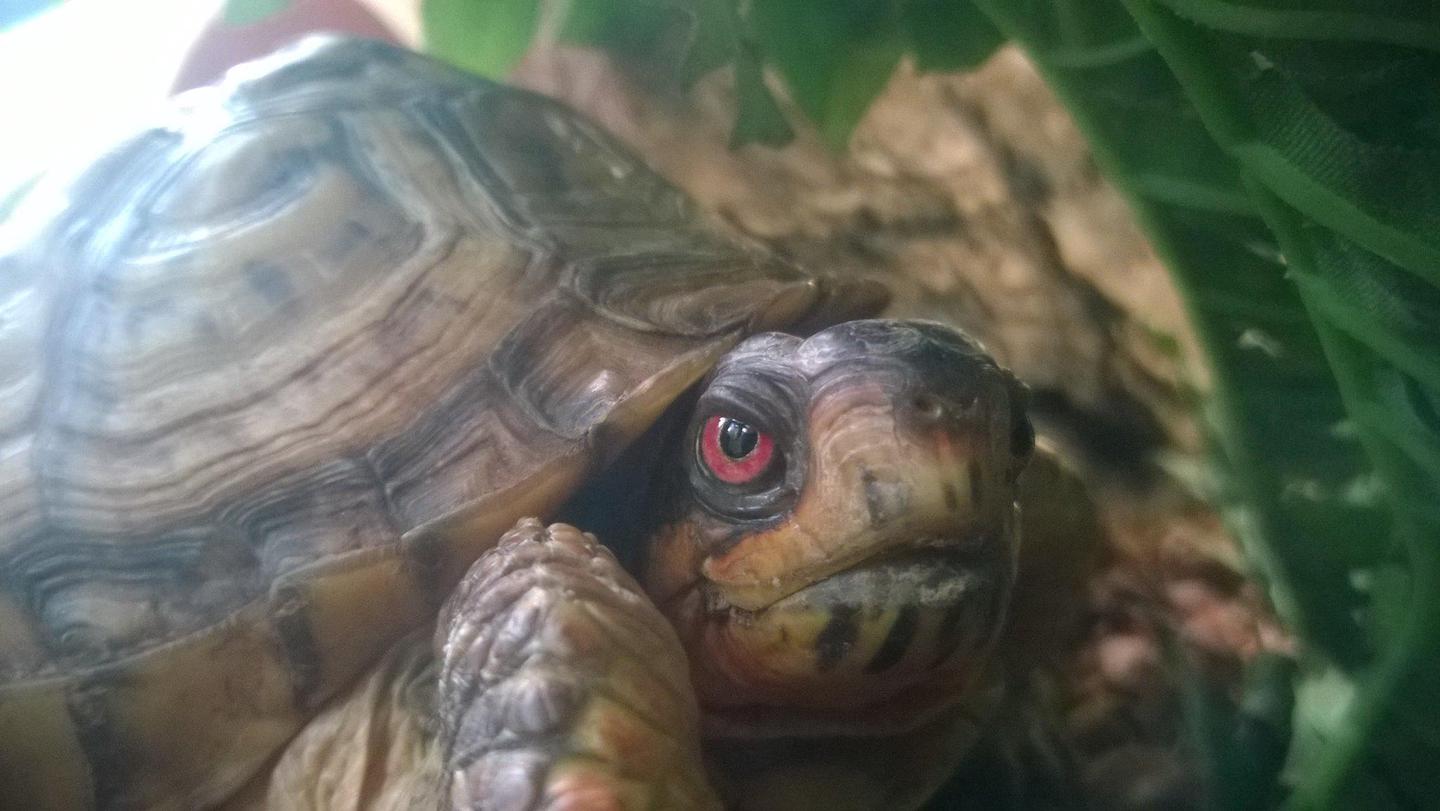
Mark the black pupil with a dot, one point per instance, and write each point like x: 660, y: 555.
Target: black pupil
x: 737, y: 439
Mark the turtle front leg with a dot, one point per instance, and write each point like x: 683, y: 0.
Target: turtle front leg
x: 561, y: 685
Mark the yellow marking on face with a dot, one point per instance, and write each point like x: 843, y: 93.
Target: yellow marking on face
x: 875, y: 484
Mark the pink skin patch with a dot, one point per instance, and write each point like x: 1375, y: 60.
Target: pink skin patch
x: 727, y: 469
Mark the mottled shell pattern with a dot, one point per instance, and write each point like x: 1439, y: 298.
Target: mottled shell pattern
x: 276, y: 370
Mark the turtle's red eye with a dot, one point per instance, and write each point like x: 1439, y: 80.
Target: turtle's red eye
x: 734, y: 451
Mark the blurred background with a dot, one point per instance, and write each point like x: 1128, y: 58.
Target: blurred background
x: 80, y: 71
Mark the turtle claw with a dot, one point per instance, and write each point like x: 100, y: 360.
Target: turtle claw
x: 561, y: 686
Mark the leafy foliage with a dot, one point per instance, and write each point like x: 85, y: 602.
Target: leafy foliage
x: 945, y: 35
x: 1284, y: 159
x: 245, y: 12
x: 1329, y: 120
x: 835, y: 57
x: 485, y: 36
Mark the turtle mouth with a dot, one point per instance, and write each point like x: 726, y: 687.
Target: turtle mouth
x: 883, y: 645
x: 917, y: 561
x: 927, y: 572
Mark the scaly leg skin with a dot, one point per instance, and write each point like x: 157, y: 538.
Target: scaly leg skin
x: 561, y: 686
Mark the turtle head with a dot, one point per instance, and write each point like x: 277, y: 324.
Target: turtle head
x: 844, y: 534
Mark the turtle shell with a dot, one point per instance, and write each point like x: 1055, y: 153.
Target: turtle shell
x: 275, y: 371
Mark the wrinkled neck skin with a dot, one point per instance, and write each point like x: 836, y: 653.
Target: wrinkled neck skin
x: 839, y: 609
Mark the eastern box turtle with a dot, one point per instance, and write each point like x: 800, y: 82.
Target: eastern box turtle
x: 288, y: 379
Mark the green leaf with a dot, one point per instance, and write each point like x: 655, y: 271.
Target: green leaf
x: 835, y: 57
x: 1244, y: 745
x: 653, y: 37
x: 1285, y: 159
x: 484, y: 36
x: 949, y: 34
x: 248, y: 12
x: 759, y: 118
x: 716, y: 38
x: 1332, y: 116
x: 677, y: 41
x: 1274, y: 398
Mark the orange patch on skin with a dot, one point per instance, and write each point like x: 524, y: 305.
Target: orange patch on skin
x: 615, y: 734
x: 976, y: 693
x: 583, y: 786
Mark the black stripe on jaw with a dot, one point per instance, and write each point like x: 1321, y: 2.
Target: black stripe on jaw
x: 897, y: 641
x: 952, y: 498
x: 837, y: 637
x: 950, y: 633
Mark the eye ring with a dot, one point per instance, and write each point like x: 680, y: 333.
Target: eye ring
x: 734, y: 451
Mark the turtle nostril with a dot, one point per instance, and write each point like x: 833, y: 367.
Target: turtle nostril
x: 928, y: 407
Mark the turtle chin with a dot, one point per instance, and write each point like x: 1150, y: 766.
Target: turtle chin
x: 863, y: 689
x: 890, y: 771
